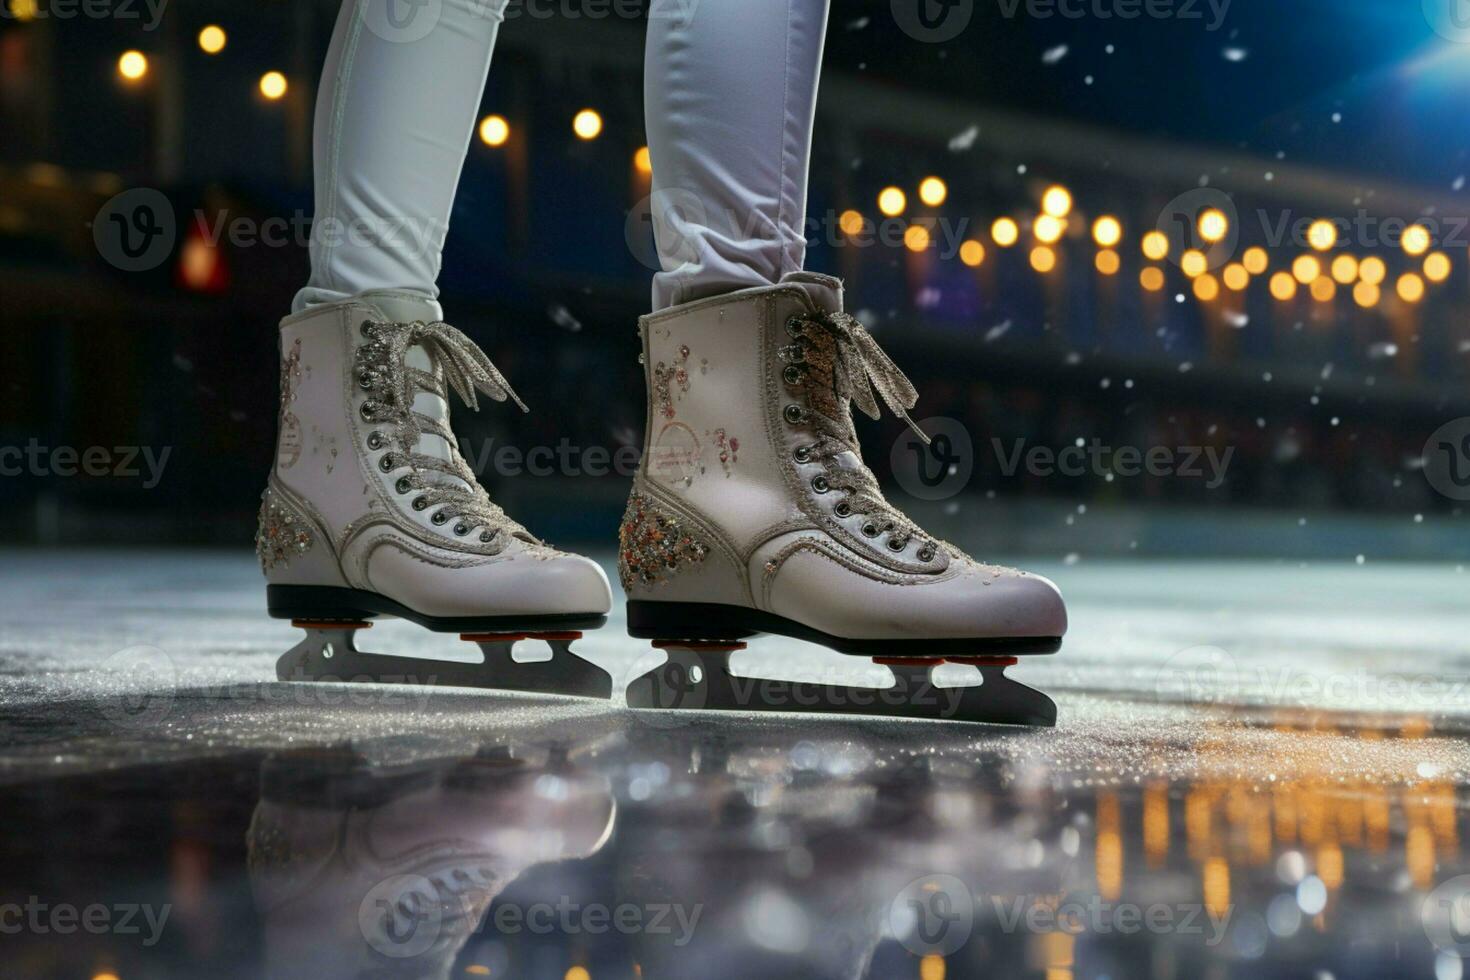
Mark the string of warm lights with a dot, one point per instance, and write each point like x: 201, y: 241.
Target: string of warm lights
x: 1363, y: 278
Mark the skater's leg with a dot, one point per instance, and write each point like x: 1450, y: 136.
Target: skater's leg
x: 395, y: 113
x: 730, y: 90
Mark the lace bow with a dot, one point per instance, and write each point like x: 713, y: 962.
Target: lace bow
x: 864, y: 366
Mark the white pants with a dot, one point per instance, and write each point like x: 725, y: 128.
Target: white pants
x: 730, y: 91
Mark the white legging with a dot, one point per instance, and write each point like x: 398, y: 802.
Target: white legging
x: 729, y: 89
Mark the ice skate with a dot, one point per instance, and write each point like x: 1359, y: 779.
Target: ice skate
x: 371, y: 511
x: 753, y: 512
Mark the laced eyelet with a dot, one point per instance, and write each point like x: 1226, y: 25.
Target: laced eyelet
x: 794, y: 414
x: 367, y: 412
x: 870, y: 530
x: 403, y: 485
x: 843, y: 509
x: 894, y: 544
x: 792, y: 374
x: 460, y: 530
x: 365, y: 380
x: 419, y: 503
x: 926, y: 554
x: 803, y: 454
x: 439, y: 518
x: 487, y: 536
x: 388, y: 464
x: 820, y: 484
x: 375, y: 440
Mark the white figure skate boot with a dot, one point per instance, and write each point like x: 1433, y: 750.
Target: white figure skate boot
x: 372, y: 511
x: 753, y: 512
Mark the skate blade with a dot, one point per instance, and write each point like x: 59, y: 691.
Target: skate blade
x: 329, y: 654
x: 697, y: 677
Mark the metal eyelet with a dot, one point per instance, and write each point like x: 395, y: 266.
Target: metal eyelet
x: 803, y: 454
x: 460, y: 530
x: 794, y: 324
x: 367, y: 328
x: 375, y: 440
x: 926, y: 554
x: 487, y: 536
x: 365, y: 380
x: 419, y: 503
x: 794, y: 414
x: 870, y: 530
x: 403, y: 485
x: 820, y: 484
x: 896, y: 545
x: 844, y: 509
x: 792, y: 374
x: 367, y: 412
x: 388, y: 464
x: 439, y: 518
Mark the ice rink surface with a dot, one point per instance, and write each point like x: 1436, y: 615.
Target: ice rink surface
x: 1259, y: 769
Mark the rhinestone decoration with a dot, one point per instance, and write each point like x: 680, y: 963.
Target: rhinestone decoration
x: 652, y: 544
x: 729, y: 447
x: 666, y: 379
x: 283, y: 534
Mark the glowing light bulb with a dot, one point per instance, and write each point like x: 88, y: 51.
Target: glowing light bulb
x: 1372, y: 270
x: 891, y: 201
x: 1151, y: 278
x: 133, y: 65
x: 1255, y: 260
x: 1415, y: 240
x: 1306, y: 269
x: 494, y: 130
x: 916, y: 238
x: 1193, y: 262
x: 643, y: 161
x: 212, y: 39
x: 1436, y: 267
x: 1322, y: 234
x: 1213, y: 225
x: 1043, y: 259
x: 1107, y: 262
x: 1283, y: 286
x: 1107, y: 231
x: 1235, y: 277
x: 1344, y: 269
x: 1155, y: 245
x: 1004, y: 232
x: 1410, y: 287
x: 851, y: 222
x: 932, y: 191
x: 972, y: 253
x: 1047, y: 228
x: 1206, y: 288
x: 1057, y: 201
x: 587, y: 124
x: 273, y: 85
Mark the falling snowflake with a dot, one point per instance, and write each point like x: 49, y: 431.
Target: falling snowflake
x: 1234, y: 54
x: 1052, y: 55
x: 960, y: 142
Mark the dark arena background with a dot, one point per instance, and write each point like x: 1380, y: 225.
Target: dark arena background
x: 1185, y: 288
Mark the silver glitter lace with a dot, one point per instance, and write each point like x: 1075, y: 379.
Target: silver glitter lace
x: 839, y: 363
x: 391, y: 383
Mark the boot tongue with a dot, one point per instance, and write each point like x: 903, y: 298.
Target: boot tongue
x: 825, y: 292
x: 399, y: 307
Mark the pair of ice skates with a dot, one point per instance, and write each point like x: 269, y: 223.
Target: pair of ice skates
x: 751, y: 512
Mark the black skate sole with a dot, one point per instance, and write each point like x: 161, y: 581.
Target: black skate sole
x: 718, y: 623
x: 330, y: 603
